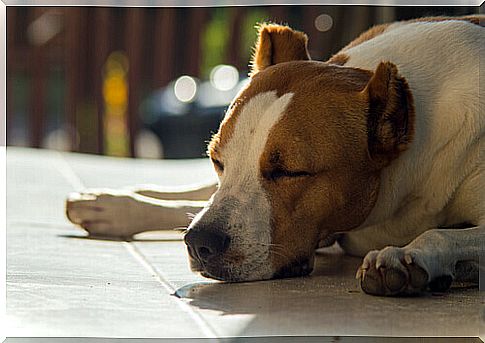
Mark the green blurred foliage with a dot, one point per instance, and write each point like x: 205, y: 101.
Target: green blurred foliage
x: 214, y: 41
x: 216, y: 36
x: 249, y: 32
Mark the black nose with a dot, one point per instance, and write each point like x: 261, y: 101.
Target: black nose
x: 204, y: 244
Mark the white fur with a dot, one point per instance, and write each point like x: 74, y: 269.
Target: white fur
x: 123, y: 213
x: 436, y: 182
x: 241, y: 196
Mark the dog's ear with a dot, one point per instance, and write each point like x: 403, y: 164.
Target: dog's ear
x: 390, y: 121
x: 277, y: 44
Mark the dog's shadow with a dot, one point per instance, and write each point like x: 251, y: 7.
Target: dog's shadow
x: 334, y: 276
x: 332, y: 285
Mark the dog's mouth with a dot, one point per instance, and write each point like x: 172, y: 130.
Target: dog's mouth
x: 216, y: 271
x: 297, y: 268
x: 220, y: 272
x: 209, y: 269
x: 220, y: 275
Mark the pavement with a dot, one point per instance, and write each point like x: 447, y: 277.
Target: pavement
x: 60, y: 283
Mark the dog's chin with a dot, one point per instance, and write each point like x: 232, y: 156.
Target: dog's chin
x: 230, y: 274
x: 219, y: 275
x: 210, y: 271
x: 298, y: 268
x: 225, y: 273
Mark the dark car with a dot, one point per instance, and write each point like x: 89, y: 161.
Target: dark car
x: 186, y: 113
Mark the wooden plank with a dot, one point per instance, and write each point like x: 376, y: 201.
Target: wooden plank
x: 101, y: 50
x: 134, y: 44
x: 73, y: 17
x: 164, y: 46
x: 315, y: 41
x: 357, y: 20
x: 38, y: 92
x: 196, y: 23
x: 11, y: 34
x: 278, y: 14
x: 322, y: 45
x: 234, y: 49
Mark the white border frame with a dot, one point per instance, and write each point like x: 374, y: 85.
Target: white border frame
x: 3, y: 165
x: 147, y: 3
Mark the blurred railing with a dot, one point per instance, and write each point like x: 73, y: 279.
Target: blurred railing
x: 76, y: 75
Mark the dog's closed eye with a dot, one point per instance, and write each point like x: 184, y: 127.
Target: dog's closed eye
x: 280, y: 173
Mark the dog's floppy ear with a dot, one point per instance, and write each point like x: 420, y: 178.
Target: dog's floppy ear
x: 277, y: 44
x: 390, y: 121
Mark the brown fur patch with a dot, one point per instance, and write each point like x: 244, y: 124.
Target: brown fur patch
x: 391, y: 114
x: 324, y: 136
x: 339, y: 59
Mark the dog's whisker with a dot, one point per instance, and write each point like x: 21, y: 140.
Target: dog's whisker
x: 288, y: 258
x: 263, y: 244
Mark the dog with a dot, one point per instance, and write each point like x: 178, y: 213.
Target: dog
x: 378, y: 149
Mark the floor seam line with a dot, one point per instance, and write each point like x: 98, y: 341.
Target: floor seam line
x: 206, y: 328
x: 66, y: 170
x: 76, y: 182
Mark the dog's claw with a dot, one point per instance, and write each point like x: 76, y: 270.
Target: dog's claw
x: 359, y: 273
x: 371, y: 283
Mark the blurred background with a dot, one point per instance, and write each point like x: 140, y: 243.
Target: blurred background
x: 151, y: 82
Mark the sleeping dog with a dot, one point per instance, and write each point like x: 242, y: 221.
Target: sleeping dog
x: 377, y: 148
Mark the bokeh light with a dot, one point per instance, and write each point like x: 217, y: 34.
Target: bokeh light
x: 224, y: 77
x: 185, y: 88
x: 147, y: 145
x: 44, y: 28
x: 323, y: 22
x: 115, y: 94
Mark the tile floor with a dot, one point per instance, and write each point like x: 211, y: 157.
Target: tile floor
x: 59, y: 283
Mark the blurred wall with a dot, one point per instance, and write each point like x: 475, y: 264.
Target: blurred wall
x: 76, y: 76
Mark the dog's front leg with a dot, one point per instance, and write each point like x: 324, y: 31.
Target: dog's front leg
x: 195, y: 192
x: 121, y: 214
x: 431, y: 261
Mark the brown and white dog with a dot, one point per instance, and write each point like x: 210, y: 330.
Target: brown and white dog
x: 378, y: 147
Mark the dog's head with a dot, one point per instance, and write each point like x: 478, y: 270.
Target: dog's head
x: 298, y: 156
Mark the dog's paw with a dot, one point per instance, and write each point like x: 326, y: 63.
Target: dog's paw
x: 397, y: 271
x: 103, y: 212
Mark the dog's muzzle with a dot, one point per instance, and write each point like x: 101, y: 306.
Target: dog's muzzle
x: 208, y: 254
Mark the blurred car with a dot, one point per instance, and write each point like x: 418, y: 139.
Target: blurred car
x: 187, y: 112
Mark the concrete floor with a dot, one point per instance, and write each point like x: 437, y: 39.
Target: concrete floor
x: 60, y: 283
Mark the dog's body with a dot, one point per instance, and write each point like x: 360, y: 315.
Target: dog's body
x: 382, y: 156
x: 424, y: 186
